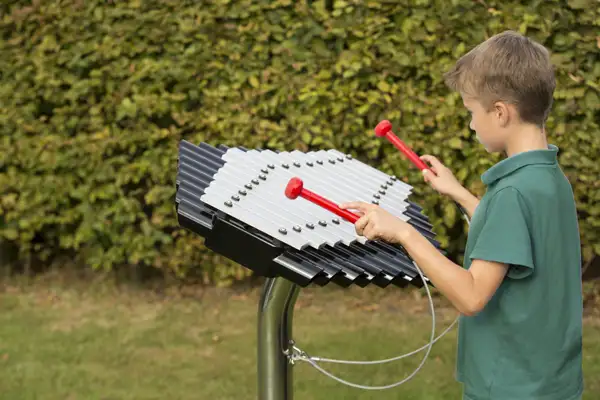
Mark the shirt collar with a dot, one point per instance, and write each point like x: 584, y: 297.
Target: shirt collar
x: 520, y: 160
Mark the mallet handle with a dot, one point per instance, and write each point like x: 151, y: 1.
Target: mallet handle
x: 329, y: 205
x: 411, y: 155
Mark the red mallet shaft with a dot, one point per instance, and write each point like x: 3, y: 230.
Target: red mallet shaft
x: 384, y: 129
x: 295, y: 188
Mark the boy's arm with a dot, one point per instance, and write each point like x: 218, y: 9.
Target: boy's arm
x: 444, y: 182
x: 503, y: 248
x: 468, y: 290
x: 466, y: 199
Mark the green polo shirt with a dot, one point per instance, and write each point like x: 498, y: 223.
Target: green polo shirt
x: 526, y: 344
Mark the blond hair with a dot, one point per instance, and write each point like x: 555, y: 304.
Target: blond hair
x: 507, y: 67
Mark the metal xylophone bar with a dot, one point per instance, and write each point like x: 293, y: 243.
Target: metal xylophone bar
x: 234, y: 198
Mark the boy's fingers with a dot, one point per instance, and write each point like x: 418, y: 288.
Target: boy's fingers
x: 350, y: 204
x: 427, y: 175
x: 433, y: 163
x: 360, y: 224
x: 431, y: 160
x: 356, y: 205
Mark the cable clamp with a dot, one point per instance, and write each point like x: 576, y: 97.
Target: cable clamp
x: 294, y: 353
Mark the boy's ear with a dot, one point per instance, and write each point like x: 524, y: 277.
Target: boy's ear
x: 503, y: 112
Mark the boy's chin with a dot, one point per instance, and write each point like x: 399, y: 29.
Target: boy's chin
x: 491, y: 149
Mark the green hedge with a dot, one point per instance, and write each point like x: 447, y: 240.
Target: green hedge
x: 95, y: 96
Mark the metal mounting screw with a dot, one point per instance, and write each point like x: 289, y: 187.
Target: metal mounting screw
x: 381, y: 191
x: 255, y: 181
x: 394, y: 179
x: 322, y: 223
x: 309, y: 163
x: 271, y: 166
x: 376, y: 202
x: 340, y: 159
x: 331, y: 161
x: 284, y: 165
x: 377, y: 196
x: 242, y: 192
x: 390, y: 182
x: 297, y: 164
x: 283, y: 231
x: 384, y: 187
x: 297, y: 228
x: 310, y: 226
x: 235, y: 197
x: 264, y: 170
x: 335, y: 221
x: 248, y: 186
x: 320, y: 162
x: 263, y: 177
x: 349, y: 156
x: 228, y: 203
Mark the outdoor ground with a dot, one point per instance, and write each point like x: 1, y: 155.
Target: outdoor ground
x: 60, y: 340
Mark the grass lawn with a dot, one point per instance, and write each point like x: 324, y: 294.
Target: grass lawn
x: 95, y: 341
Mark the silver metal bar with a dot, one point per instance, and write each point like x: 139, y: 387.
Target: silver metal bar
x: 275, y: 321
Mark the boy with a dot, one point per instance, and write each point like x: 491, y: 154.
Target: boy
x: 519, y: 293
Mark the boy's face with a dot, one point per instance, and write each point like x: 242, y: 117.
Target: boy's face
x: 487, y: 125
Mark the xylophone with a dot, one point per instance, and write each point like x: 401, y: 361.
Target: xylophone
x: 276, y: 213
x: 236, y: 199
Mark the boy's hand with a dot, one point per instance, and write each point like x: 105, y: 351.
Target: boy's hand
x: 377, y: 223
x: 443, y: 180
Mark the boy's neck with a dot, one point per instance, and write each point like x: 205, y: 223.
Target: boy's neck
x: 526, y: 138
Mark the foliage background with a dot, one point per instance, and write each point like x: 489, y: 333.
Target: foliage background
x: 95, y: 96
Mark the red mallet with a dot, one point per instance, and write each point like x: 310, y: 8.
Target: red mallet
x: 295, y: 188
x: 384, y: 129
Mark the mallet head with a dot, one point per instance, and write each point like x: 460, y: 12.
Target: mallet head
x: 294, y: 188
x: 383, y: 128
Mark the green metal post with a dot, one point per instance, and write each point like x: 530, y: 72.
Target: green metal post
x: 275, y: 314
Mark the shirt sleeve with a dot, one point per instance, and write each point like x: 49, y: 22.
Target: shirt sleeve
x: 505, y: 236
